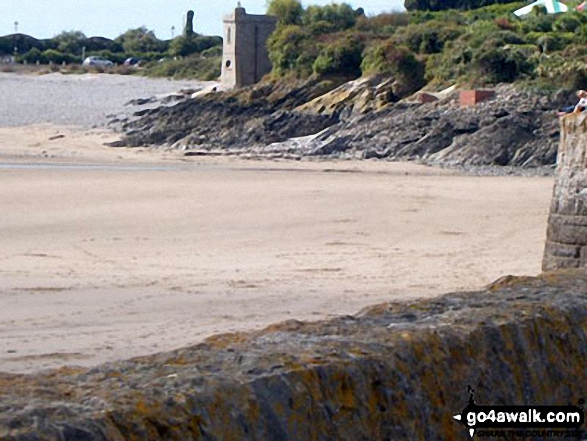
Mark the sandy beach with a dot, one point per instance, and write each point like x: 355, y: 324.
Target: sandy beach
x: 112, y: 253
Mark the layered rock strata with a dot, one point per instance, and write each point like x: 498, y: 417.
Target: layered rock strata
x: 566, y: 242
x: 394, y: 371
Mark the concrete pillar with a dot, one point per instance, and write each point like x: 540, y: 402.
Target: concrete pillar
x: 566, y: 241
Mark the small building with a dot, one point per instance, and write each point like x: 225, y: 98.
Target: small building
x: 245, y: 59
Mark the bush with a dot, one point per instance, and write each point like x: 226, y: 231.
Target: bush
x: 193, y: 67
x: 499, y: 64
x: 538, y: 23
x: 56, y: 57
x: 551, y: 41
x: 383, y: 24
x: 562, y: 72
x: 184, y: 46
x: 70, y: 42
x: 34, y: 56
x: 215, y: 51
x: 396, y: 61
x: 429, y: 37
x: 340, y: 16
x: 439, y: 5
x: 288, y: 12
x: 291, y: 51
x: 341, y: 57
x: 140, y: 40
x: 567, y: 23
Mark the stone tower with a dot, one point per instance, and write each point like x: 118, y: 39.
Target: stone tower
x: 244, y: 55
x: 566, y: 241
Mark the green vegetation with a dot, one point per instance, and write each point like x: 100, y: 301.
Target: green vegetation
x: 442, y: 5
x: 482, y: 46
x: 187, y: 56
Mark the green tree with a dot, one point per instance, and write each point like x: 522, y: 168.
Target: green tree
x: 184, y: 46
x: 290, y: 50
x: 70, y: 42
x: 33, y: 56
x: 288, y: 12
x: 140, y: 40
x: 341, y: 57
x: 340, y: 16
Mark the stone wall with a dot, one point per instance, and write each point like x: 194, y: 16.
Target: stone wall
x: 566, y: 242
x: 392, y: 372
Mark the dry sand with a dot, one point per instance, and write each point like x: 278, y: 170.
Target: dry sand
x: 124, y: 253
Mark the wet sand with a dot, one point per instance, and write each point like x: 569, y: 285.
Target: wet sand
x: 111, y: 253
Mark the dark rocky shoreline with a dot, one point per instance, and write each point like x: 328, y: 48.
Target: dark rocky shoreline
x: 515, y: 129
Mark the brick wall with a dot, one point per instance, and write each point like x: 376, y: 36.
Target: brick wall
x: 473, y: 97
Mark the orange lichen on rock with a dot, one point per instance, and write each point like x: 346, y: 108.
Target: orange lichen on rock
x: 395, y: 371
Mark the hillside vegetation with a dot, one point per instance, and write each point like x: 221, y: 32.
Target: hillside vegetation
x: 487, y: 45
x: 189, y: 55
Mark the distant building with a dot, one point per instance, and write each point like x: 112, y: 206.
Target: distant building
x: 245, y: 58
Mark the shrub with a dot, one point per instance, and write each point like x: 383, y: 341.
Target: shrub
x: 140, y: 40
x: 291, y: 51
x: 340, y: 16
x: 439, y: 5
x: 184, y: 46
x: 562, y: 72
x: 341, y: 57
x: 566, y: 23
x: 501, y: 64
x: 551, y: 41
x: 288, y: 12
x: 383, y: 24
x: 538, y: 23
x: 70, y: 42
x: 429, y: 37
x: 33, y: 56
x: 193, y: 67
x: 56, y: 57
x: 396, y: 61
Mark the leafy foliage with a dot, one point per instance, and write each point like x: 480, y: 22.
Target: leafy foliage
x: 140, y: 40
x: 396, y: 61
x: 288, y: 12
x: 184, y: 46
x: 342, y: 56
x: 439, y: 5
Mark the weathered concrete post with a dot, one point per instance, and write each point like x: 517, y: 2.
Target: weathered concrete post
x: 189, y: 24
x: 566, y: 241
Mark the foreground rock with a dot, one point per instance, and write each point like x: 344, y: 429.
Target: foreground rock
x: 394, y: 371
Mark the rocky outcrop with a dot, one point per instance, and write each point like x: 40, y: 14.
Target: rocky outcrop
x: 258, y: 115
x: 393, y: 371
x: 515, y: 129
x: 358, y: 119
x: 566, y: 242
